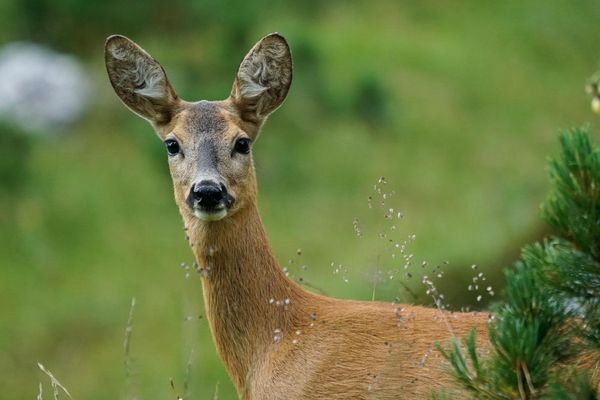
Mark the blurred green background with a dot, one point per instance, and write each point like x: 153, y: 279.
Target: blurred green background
x: 456, y: 104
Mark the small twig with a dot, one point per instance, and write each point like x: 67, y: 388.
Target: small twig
x: 129, y: 329
x: 177, y: 397
x: 432, y: 291
x: 409, y: 290
x: 522, y: 391
x: 375, y: 279
x: 528, y: 378
x: 188, y: 374
x: 126, y: 348
x: 216, y: 394
x: 55, y: 383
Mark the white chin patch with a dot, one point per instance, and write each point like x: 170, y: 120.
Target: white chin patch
x: 210, y: 216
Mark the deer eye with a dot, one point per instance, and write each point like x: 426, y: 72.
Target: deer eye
x: 172, y: 147
x: 242, y: 146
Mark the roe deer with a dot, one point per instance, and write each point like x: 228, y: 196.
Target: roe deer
x: 315, y: 347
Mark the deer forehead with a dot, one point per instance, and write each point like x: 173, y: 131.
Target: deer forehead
x: 206, y: 121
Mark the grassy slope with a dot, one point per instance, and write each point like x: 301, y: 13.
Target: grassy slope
x: 473, y: 98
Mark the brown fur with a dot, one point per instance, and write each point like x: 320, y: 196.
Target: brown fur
x: 344, y: 350
x: 277, y: 340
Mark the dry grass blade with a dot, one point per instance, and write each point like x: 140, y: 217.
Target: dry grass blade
x: 55, y: 383
x: 188, y: 375
x: 177, y: 397
x: 216, y: 395
x: 128, y: 361
x: 129, y: 328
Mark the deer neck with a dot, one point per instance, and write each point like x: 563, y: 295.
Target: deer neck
x: 248, y: 298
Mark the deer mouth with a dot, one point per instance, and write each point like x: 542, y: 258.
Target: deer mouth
x: 210, y: 215
x: 213, y: 212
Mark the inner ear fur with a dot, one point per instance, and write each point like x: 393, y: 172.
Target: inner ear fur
x: 139, y: 80
x: 263, y: 78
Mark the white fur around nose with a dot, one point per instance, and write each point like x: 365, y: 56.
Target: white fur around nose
x: 143, y: 77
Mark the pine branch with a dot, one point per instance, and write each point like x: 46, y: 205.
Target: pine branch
x: 573, y: 206
x: 552, y: 297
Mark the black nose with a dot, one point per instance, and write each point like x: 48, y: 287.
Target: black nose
x: 206, y: 194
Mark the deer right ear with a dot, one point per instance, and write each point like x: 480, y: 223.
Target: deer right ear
x: 139, y: 80
x: 263, y: 79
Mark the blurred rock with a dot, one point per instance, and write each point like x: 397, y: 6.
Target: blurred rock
x: 41, y: 91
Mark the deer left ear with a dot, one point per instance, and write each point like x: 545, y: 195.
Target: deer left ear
x: 139, y: 80
x: 263, y: 79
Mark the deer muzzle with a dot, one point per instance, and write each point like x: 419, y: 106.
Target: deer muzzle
x: 209, y: 200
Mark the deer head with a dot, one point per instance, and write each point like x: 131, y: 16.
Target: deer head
x: 208, y: 142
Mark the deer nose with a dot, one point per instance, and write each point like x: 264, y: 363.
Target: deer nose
x: 207, y: 194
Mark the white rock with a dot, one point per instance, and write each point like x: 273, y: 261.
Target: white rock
x: 40, y: 90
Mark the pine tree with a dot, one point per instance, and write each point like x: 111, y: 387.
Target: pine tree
x: 549, y: 320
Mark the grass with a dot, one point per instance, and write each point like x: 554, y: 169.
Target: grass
x: 56, y: 385
x: 469, y: 103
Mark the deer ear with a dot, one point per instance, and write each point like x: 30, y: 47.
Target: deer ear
x: 263, y: 79
x: 139, y: 80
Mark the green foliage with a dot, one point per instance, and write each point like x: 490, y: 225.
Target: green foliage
x: 572, y: 386
x: 15, y: 147
x: 575, y: 276
x: 573, y: 207
x: 467, y: 369
x: 370, y: 104
x: 551, y: 298
x: 526, y: 336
